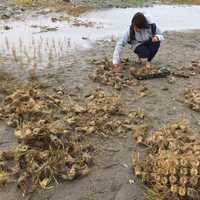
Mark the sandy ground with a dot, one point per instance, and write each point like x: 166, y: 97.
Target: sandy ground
x: 109, y: 178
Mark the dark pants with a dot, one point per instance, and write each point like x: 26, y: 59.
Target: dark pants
x: 147, y: 50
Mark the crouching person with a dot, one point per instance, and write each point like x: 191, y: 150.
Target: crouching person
x: 144, y: 38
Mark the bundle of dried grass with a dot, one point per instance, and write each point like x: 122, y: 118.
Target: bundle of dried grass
x: 143, y: 73
x: 192, y: 98
x: 171, y: 169
x: 102, y: 114
x: 51, y: 135
x: 47, y: 149
x: 104, y: 74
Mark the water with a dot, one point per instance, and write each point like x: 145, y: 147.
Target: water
x: 170, y: 18
x: 26, y: 39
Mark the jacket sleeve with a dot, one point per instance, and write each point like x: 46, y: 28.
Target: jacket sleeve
x: 123, y: 40
x: 159, y: 34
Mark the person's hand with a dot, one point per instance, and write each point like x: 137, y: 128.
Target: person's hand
x: 155, y: 39
x: 115, y: 68
x: 147, y: 66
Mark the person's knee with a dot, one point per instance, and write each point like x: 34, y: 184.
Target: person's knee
x: 144, y: 55
x: 156, y: 45
x: 153, y: 50
x: 142, y: 52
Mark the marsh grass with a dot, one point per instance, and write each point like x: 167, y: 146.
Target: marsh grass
x: 36, y: 50
x: 14, y: 55
x: 25, y: 2
x: 33, y: 55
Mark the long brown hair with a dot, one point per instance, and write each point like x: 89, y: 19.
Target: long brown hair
x: 140, y: 21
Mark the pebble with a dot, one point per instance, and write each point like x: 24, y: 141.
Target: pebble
x: 7, y: 27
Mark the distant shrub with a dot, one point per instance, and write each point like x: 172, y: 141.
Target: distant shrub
x: 25, y: 2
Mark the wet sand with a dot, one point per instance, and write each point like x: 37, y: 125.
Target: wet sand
x: 109, y: 178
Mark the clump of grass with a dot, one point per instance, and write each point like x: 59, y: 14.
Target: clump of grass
x: 33, y: 73
x: 14, y: 54
x: 4, y: 76
x: 7, y: 43
x: 25, y: 2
